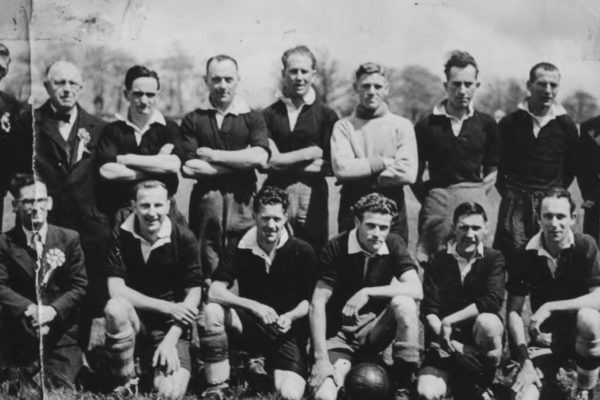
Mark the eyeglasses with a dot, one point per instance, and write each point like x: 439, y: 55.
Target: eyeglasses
x: 139, y: 94
x: 29, y: 203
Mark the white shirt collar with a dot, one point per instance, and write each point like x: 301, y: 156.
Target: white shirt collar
x: 43, y: 231
x: 308, y: 99
x: 72, y: 114
x: 536, y: 243
x: 163, y: 235
x: 540, y: 121
x: 440, y: 109
x: 464, y: 264
x: 355, y: 247
x: 237, y: 107
x: 156, y: 117
x: 250, y: 242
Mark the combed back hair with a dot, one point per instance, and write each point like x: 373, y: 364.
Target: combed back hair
x: 139, y: 71
x: 148, y: 184
x: 375, y: 203
x: 557, y: 193
x: 468, y: 208
x: 221, y: 57
x: 4, y: 52
x: 20, y: 181
x: 301, y: 49
x: 460, y: 59
x: 546, y: 66
x: 270, y: 195
x: 369, y: 68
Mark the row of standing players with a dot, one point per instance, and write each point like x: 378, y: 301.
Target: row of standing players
x: 89, y: 167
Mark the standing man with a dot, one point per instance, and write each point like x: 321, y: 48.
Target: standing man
x: 223, y: 142
x: 365, y: 299
x: 461, y: 150
x: 141, y: 146
x: 300, y: 127
x: 275, y: 276
x: 538, y: 151
x: 37, y: 253
x: 560, y: 272
x: 463, y: 291
x: 9, y: 108
x: 588, y: 176
x: 154, y: 280
x: 373, y: 150
x: 66, y: 138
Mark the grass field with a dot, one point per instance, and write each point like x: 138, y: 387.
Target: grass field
x: 182, y: 199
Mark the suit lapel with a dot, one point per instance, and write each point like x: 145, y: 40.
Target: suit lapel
x: 49, y: 127
x: 20, y: 251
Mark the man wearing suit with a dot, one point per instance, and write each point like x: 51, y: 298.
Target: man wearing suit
x: 35, y: 252
x: 8, y: 111
x: 65, y: 145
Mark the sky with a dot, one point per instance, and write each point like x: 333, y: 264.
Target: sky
x: 506, y: 36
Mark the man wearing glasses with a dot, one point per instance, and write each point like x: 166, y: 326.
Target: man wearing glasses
x: 460, y: 147
x: 139, y: 146
x: 35, y: 253
x: 373, y: 150
x: 65, y: 145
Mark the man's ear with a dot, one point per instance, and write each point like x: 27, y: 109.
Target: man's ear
x: 50, y: 203
x: 356, y: 221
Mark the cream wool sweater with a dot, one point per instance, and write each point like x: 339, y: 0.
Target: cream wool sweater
x: 359, y: 148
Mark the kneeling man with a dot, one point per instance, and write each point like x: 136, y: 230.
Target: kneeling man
x: 463, y: 291
x: 275, y: 275
x: 36, y: 254
x: 154, y: 280
x: 364, y: 299
x: 560, y: 271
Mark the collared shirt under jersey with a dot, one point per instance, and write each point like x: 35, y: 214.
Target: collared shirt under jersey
x: 289, y: 280
x: 354, y: 247
x: 537, y: 243
x: 250, y: 242
x: 540, y: 121
x: 292, y: 111
x: 464, y: 264
x: 237, y: 107
x: 155, y: 118
x: 163, y: 235
x: 456, y: 123
x: 577, y: 271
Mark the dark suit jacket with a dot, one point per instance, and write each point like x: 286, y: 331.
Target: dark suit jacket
x: 71, y: 184
x: 66, y: 286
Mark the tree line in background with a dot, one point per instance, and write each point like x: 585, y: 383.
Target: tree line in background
x: 414, y: 89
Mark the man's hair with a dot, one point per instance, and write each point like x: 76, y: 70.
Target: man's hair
x: 221, y: 57
x: 148, y: 184
x: 375, y: 203
x: 19, y: 181
x: 139, y: 71
x: 270, y: 195
x: 557, y: 193
x: 460, y: 59
x: 4, y: 52
x: 468, y: 208
x: 369, y: 68
x: 546, y: 66
x: 64, y: 62
x: 302, y: 50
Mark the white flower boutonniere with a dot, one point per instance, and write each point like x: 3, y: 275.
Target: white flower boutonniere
x: 84, y: 138
x: 54, y: 258
x: 5, y: 122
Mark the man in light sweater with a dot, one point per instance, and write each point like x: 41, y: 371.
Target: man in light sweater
x: 373, y: 150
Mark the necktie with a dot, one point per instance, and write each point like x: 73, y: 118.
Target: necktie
x: 38, y: 246
x: 62, y: 116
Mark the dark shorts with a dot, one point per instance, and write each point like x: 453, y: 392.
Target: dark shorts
x: 147, y: 341
x: 458, y: 369
x: 282, y: 351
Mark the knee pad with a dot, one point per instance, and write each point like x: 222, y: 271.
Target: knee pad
x: 214, y: 348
